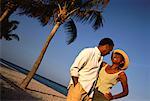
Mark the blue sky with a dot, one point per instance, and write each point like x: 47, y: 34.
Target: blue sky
x: 127, y: 22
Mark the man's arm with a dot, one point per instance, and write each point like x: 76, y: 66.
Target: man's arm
x: 79, y: 63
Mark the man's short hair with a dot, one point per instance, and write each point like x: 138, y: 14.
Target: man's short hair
x: 105, y: 41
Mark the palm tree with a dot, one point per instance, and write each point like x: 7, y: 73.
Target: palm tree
x: 7, y: 26
x: 60, y: 12
x: 8, y: 7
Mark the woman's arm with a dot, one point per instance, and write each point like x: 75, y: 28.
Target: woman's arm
x: 123, y: 79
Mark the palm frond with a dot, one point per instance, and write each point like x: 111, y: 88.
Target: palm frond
x: 105, y: 3
x: 39, y: 10
x: 71, y: 29
x: 6, y: 29
x: 15, y: 36
x: 91, y: 4
x: 13, y: 24
x: 96, y: 20
x: 93, y: 17
x: 9, y: 37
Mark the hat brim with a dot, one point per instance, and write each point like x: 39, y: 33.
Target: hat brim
x: 126, y: 58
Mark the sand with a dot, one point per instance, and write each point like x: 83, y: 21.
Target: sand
x: 11, y: 79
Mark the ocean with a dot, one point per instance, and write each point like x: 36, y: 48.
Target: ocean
x: 54, y: 85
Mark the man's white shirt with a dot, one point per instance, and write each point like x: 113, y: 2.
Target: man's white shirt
x: 86, y: 67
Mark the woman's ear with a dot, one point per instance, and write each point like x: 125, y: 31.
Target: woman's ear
x: 122, y: 62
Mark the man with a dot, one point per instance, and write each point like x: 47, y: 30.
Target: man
x: 84, y: 70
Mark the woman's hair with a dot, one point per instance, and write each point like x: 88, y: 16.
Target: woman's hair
x: 121, y: 65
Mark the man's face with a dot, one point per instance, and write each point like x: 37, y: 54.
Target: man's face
x: 106, y: 49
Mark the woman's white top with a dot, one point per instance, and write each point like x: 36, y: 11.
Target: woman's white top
x: 106, y: 81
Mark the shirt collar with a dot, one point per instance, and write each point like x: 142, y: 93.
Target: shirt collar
x: 97, y: 51
x: 99, y: 55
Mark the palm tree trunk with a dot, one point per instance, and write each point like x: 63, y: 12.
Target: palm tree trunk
x: 30, y: 75
x: 10, y: 8
x: 4, y: 15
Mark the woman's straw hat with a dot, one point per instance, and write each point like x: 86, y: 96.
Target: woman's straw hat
x: 126, y: 58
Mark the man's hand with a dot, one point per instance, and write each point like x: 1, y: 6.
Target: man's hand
x: 75, y: 80
x: 108, y: 96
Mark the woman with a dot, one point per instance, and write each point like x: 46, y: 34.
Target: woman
x: 110, y: 75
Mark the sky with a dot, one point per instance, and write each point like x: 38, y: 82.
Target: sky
x: 127, y: 22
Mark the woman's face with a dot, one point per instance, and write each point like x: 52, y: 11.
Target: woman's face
x: 117, y: 58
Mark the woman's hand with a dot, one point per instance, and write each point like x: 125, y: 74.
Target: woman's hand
x: 108, y: 96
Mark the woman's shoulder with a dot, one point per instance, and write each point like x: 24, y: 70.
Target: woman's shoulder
x: 104, y: 64
x: 122, y: 75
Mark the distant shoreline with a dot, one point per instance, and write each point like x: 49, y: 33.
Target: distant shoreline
x: 58, y: 87
x: 35, y: 88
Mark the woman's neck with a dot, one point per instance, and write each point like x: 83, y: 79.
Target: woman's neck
x: 115, y: 66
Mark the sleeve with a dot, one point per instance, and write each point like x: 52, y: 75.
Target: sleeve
x: 79, y: 62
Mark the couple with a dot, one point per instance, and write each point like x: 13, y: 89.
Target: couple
x: 92, y: 78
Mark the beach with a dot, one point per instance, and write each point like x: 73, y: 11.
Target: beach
x: 36, y: 91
